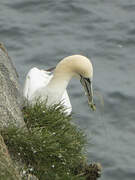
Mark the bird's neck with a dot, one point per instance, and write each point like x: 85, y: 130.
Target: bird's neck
x: 61, y: 77
x: 59, y: 82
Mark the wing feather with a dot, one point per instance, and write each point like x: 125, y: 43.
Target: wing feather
x: 37, y: 79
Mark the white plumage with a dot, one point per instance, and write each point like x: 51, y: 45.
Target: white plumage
x: 37, y: 79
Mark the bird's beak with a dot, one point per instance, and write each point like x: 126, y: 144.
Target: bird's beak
x: 87, y: 84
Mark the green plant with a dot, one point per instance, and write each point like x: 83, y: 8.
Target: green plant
x: 52, y: 147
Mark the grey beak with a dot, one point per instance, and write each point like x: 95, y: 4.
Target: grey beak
x: 87, y: 84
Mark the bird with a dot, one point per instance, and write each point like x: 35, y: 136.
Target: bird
x: 50, y: 85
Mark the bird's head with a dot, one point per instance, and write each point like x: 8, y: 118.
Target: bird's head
x: 81, y: 67
x: 84, y: 70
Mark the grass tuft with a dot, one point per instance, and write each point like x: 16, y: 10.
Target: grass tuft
x: 52, y: 148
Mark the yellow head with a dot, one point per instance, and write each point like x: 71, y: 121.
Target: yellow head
x: 77, y: 66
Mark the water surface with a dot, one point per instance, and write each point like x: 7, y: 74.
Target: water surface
x: 40, y: 33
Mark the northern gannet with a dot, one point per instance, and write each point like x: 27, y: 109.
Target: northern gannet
x: 41, y: 84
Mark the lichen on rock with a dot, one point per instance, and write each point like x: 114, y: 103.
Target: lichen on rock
x: 10, y: 97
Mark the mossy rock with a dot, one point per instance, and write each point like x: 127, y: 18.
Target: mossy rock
x: 7, y: 168
x: 52, y: 148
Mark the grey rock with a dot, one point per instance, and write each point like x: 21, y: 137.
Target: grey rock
x: 11, y: 99
x: 11, y: 102
x: 7, y: 168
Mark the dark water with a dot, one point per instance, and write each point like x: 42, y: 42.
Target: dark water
x: 40, y: 33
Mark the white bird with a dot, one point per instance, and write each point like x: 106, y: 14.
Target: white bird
x: 44, y: 85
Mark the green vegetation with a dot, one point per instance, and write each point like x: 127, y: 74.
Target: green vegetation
x: 51, y: 148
